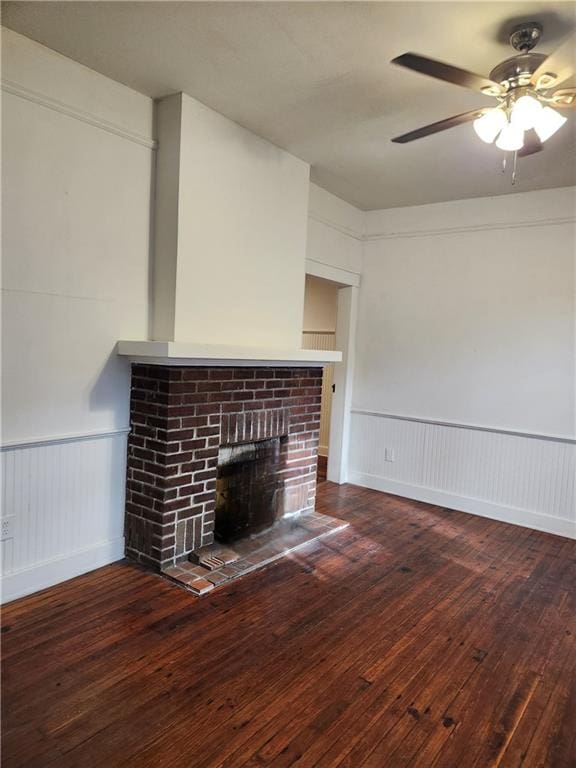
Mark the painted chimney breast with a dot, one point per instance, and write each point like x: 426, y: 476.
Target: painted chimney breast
x: 230, y: 233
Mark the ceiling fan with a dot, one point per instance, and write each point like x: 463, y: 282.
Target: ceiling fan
x: 525, y: 85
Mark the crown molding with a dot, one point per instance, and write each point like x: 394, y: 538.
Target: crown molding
x: 343, y: 229
x: 16, y: 89
x: 432, y: 232
x: 546, y: 222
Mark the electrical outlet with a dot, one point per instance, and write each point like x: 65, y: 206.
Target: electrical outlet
x: 7, y: 531
x: 389, y: 454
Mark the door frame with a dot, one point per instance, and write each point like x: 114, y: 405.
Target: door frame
x: 340, y: 416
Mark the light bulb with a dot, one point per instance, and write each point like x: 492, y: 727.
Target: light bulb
x: 548, y: 122
x: 511, y: 138
x: 526, y: 112
x: 490, y: 124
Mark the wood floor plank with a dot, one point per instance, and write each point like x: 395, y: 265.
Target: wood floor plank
x: 417, y: 637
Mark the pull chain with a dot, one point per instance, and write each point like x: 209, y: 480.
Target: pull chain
x: 514, y: 164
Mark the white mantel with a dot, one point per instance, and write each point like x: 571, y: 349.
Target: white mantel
x: 190, y: 353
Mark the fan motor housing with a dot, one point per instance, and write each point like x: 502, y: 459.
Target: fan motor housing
x: 517, y: 70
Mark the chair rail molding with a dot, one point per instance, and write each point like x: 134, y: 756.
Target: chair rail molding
x: 465, y: 425
x: 11, y: 445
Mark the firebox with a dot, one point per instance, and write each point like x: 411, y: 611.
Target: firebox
x: 247, y: 489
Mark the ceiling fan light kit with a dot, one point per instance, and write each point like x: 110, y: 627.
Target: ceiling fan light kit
x: 525, y: 112
x: 525, y: 86
x: 506, y: 125
x: 549, y: 121
x: 511, y: 138
x: 490, y: 124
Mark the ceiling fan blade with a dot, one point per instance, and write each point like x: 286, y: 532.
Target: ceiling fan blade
x: 441, y: 125
x: 565, y: 98
x: 557, y: 67
x: 532, y: 144
x: 448, y: 73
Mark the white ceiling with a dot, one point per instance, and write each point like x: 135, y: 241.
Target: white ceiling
x: 315, y: 78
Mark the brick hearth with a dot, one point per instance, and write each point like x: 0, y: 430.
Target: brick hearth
x: 180, y: 417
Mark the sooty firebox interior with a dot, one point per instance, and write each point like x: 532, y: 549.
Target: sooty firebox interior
x: 247, y: 488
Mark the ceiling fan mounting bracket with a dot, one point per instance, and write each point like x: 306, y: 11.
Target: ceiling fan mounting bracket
x: 525, y: 36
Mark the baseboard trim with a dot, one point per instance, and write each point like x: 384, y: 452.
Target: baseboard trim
x: 46, y: 574
x: 523, y: 517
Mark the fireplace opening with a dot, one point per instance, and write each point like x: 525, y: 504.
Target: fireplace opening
x: 247, y: 489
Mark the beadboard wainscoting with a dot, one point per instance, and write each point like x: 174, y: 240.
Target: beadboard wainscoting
x: 62, y: 509
x: 527, y: 480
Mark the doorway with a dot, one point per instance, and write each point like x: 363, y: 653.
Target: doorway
x: 319, y: 332
x: 331, y: 301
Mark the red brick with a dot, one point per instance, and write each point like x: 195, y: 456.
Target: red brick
x: 190, y: 490
x: 204, y: 475
x: 209, y: 386
x: 195, y: 421
x: 193, y: 466
x: 177, y: 504
x: 177, y: 481
x: 186, y: 514
x: 179, y: 412
x: 221, y: 374
x: 177, y: 458
x: 192, y: 445
x: 194, y: 374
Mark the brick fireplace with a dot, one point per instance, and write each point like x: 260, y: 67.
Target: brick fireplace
x: 186, y: 421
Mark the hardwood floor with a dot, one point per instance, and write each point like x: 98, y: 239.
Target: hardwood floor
x: 417, y: 637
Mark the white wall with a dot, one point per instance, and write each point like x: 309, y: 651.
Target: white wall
x: 77, y: 173
x: 335, y: 232
x: 474, y: 324
x: 241, y: 240
x: 467, y: 316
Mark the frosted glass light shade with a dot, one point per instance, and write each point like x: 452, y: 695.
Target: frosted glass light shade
x: 548, y: 122
x: 511, y: 138
x: 526, y: 112
x: 489, y: 125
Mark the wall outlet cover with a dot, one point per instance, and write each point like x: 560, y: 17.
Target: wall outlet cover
x: 389, y: 454
x: 7, y: 530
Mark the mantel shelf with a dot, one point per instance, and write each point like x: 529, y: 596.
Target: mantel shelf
x: 191, y: 353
